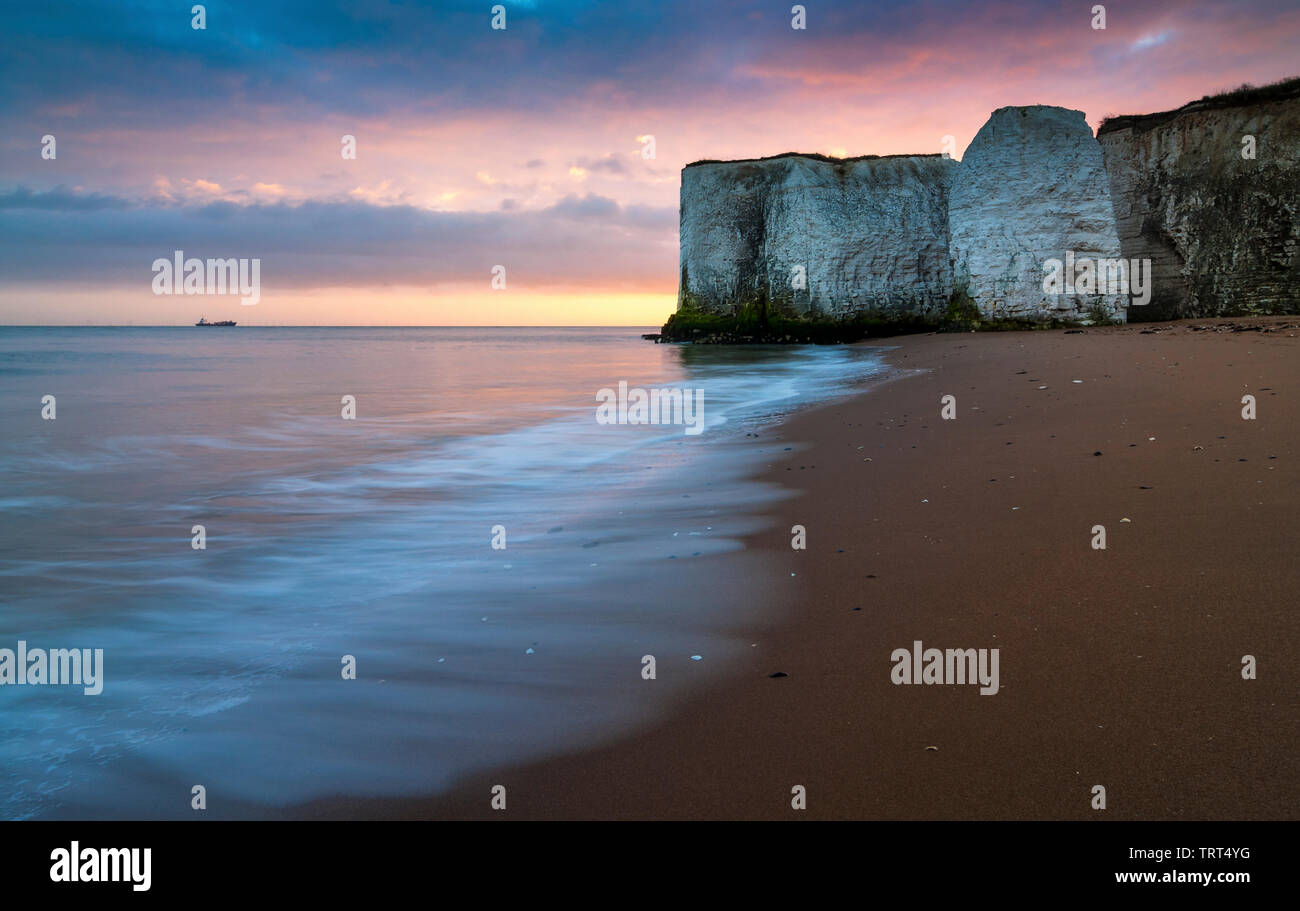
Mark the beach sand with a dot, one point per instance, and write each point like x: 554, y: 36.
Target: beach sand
x: 1119, y: 667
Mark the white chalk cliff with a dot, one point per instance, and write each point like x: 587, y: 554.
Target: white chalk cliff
x: 1031, y: 188
x: 810, y: 236
x: 895, y: 237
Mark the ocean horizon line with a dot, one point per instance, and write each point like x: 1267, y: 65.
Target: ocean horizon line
x: 324, y: 326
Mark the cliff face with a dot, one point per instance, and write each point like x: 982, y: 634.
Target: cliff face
x: 1031, y: 188
x: 1222, y: 231
x: 806, y: 236
x: 894, y: 238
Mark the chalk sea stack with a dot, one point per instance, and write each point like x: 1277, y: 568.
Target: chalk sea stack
x: 1031, y: 187
x: 810, y: 248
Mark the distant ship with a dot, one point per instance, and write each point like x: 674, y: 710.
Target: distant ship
x: 224, y: 322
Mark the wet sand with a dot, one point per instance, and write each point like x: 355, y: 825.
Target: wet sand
x: 1119, y: 667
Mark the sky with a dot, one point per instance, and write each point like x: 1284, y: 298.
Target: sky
x: 527, y: 148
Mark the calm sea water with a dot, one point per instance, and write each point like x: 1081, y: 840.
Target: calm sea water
x: 371, y: 537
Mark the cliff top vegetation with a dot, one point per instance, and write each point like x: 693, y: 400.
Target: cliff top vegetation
x: 816, y: 156
x: 1242, y: 95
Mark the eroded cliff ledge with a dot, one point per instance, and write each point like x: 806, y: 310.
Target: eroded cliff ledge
x: 805, y: 247
x: 1221, y: 228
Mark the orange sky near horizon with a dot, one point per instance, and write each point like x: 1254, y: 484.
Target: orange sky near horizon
x: 43, y: 306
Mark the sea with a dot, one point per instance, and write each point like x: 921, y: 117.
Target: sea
x: 211, y: 509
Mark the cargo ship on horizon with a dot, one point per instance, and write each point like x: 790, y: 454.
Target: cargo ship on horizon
x: 224, y: 322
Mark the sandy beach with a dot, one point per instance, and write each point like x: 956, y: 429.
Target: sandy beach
x: 1119, y: 667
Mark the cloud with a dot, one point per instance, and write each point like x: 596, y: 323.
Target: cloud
x: 271, y: 190
x: 381, y: 193
x: 607, y: 164
x: 60, y: 199
x: 60, y: 236
x: 1150, y: 41
x: 588, y: 206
